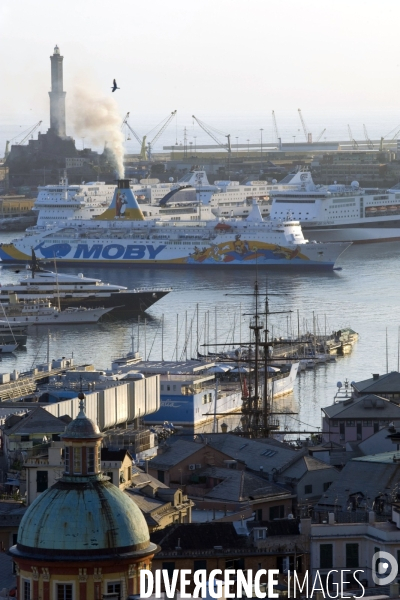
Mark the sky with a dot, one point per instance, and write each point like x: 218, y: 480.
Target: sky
x: 228, y: 62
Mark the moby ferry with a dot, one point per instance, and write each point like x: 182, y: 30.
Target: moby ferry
x: 121, y: 235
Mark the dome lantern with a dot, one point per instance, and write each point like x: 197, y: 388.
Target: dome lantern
x: 82, y: 440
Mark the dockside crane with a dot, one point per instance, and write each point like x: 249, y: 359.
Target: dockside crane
x: 321, y: 134
x: 275, y: 127
x: 164, y: 125
x: 367, y: 139
x: 142, y: 142
x: 28, y: 132
x: 307, y: 134
x: 207, y: 129
x: 353, y: 141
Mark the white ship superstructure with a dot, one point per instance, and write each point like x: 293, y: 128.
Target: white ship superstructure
x: 193, y: 195
x: 64, y: 202
x: 341, y: 212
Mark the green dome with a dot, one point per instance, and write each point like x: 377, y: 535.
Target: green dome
x: 88, y: 519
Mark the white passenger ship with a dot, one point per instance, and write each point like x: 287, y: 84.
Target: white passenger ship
x: 121, y: 235
x: 340, y: 212
x: 64, y: 202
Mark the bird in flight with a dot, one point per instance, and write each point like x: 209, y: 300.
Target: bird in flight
x: 114, y: 87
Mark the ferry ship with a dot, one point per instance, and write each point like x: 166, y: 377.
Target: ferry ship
x: 342, y: 213
x: 191, y: 197
x: 64, y: 202
x: 189, y: 392
x: 121, y: 236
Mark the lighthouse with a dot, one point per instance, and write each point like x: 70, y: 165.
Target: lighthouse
x: 57, y: 95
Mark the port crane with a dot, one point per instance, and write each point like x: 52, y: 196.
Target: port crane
x: 145, y: 152
x: 321, y: 134
x: 307, y: 134
x: 369, y: 142
x: 355, y: 144
x: 142, y: 142
x: 208, y: 130
x: 164, y: 124
x: 28, y: 132
x: 275, y: 127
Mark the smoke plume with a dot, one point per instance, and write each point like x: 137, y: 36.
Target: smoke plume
x: 96, y: 118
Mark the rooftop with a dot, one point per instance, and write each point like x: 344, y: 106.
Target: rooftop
x: 367, y: 406
x: 389, y: 383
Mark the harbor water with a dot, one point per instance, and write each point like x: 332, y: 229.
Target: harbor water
x: 213, y: 306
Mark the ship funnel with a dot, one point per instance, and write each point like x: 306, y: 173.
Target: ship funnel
x: 124, y: 205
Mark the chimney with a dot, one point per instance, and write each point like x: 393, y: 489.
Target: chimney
x: 331, y: 518
x: 371, y: 517
x: 375, y: 376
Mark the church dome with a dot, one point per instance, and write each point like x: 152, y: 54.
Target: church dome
x: 83, y: 514
x: 96, y: 518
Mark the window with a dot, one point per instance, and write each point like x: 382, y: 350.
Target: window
x: 64, y: 591
x: 90, y: 460
x: 42, y: 481
x: 326, y: 485
x: 114, y: 588
x: 350, y: 423
x: 326, y: 556
x: 26, y: 590
x: 351, y: 556
x: 308, y: 489
x: 234, y: 563
x: 169, y: 567
x: 77, y: 460
x: 276, y: 512
x: 259, y: 514
x: 199, y: 564
x: 160, y: 476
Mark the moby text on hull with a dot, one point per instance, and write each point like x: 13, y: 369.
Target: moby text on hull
x: 121, y: 235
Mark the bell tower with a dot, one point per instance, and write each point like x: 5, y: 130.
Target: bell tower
x: 57, y: 95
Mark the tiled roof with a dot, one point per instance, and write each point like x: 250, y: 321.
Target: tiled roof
x: 238, y: 486
x: 198, y: 536
x: 389, y: 383
x: 369, y: 406
x: 39, y: 421
x: 174, y: 454
x: 268, y: 454
x: 372, y: 475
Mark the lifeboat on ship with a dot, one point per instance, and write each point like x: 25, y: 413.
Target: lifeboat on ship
x: 223, y: 227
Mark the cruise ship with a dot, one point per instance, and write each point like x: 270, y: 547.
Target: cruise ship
x: 191, y: 197
x: 122, y: 236
x: 339, y: 212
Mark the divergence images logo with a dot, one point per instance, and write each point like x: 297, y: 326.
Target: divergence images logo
x: 384, y: 568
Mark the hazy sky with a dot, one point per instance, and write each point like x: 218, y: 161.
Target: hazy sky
x: 212, y: 58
